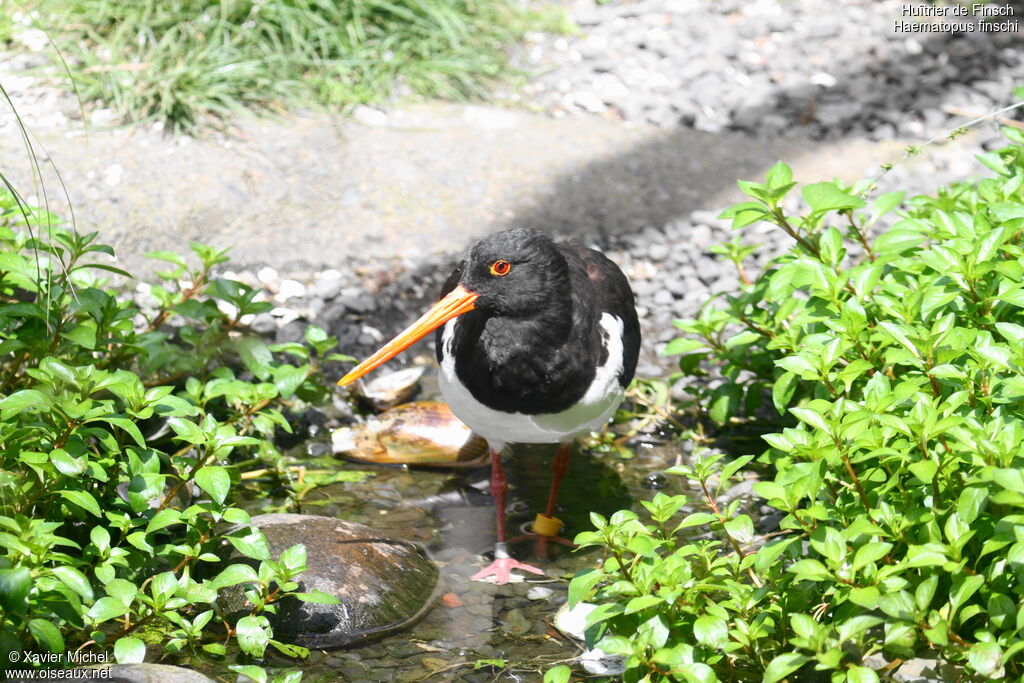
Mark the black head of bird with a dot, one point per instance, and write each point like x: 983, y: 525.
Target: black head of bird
x: 510, y: 274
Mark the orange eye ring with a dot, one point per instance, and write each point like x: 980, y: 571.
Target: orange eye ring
x: 500, y: 268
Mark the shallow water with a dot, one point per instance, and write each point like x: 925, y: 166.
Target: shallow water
x: 451, y: 514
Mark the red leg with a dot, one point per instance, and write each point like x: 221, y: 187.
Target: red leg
x: 547, y: 526
x: 503, y: 565
x: 559, y: 466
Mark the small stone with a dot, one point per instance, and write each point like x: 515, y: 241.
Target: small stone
x: 516, y: 623
x: 658, y: 252
x: 290, y: 289
x: 539, y: 593
x: 369, y: 116
x: 268, y: 277
x: 587, y: 101
x: 263, y: 323
x: 663, y: 297
x: 451, y: 600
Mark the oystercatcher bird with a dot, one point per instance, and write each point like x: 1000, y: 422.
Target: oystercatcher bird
x: 537, y: 343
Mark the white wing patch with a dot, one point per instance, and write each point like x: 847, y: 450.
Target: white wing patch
x: 593, y: 410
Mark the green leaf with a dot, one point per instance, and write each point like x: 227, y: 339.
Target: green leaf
x: 126, y: 424
x: 19, y: 401
x: 253, y: 633
x: 82, y: 499
x: 769, y: 554
x: 778, y: 175
x: 741, y: 529
x: 897, y: 241
x: 986, y: 658
x: 318, y: 597
x: 494, y: 662
x: 783, y: 665
x: 83, y: 334
x: 15, y: 585
x: 865, y: 596
x: 810, y: 570
x: 783, y: 390
x: 255, y: 355
x: 46, y: 635
x: 129, y: 650
x: 964, y: 586
x: 234, y: 575
x: 65, y: 464
x: 163, y: 519
x: 897, y: 333
x: 75, y: 580
x: 745, y: 213
x: 712, y: 631
x: 582, y: 584
x: 925, y: 591
x: 861, y: 674
x: 187, y: 431
x: 169, y: 256
x: 106, y: 608
x: 250, y: 671
x: 868, y: 553
x: 252, y: 545
x: 725, y: 402
x: 559, y: 674
x: 288, y: 378
x: 681, y: 345
x: 886, y: 203
x: 215, y: 481
x: 827, y: 197
x: 810, y: 417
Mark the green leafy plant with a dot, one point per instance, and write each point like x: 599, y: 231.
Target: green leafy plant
x: 124, y: 431
x: 894, y: 367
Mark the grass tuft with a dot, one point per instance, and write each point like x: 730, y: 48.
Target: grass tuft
x: 186, y: 62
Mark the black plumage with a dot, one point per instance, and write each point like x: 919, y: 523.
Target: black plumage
x: 534, y: 341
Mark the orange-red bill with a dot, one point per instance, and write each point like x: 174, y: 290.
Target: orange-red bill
x: 460, y: 300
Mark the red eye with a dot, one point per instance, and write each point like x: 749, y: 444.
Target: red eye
x: 500, y: 268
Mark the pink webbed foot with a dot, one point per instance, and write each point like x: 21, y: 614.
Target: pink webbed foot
x: 501, y: 568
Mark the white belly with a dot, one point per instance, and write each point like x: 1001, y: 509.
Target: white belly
x: 499, y: 428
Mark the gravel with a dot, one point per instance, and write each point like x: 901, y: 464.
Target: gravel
x: 768, y: 66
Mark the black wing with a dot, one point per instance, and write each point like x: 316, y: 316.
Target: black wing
x: 613, y: 295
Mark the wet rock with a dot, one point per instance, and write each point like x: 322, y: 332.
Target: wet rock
x: 926, y: 671
x: 383, y: 584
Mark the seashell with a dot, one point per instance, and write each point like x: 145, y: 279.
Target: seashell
x: 423, y: 433
x: 387, y: 391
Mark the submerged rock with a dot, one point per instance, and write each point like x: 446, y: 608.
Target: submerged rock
x: 423, y: 433
x: 382, y: 584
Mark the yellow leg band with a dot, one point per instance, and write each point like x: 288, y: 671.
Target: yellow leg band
x: 546, y: 526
